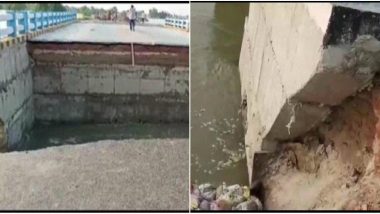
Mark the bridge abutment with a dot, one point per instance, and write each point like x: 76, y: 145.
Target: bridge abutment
x: 16, y: 92
x: 105, y: 83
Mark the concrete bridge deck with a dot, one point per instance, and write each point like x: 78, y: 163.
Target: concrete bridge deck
x: 122, y: 175
x: 115, y: 33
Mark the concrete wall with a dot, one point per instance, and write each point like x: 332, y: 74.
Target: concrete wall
x: 100, y: 84
x: 16, y: 88
x: 296, y: 62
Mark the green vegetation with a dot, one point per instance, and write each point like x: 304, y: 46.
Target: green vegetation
x: 37, y: 7
x: 88, y: 11
x: 153, y: 13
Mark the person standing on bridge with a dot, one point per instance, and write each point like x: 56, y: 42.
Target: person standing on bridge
x: 132, y: 15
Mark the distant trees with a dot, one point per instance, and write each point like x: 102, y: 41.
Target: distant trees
x: 33, y: 6
x: 15, y: 6
x: 154, y: 13
x: 49, y: 7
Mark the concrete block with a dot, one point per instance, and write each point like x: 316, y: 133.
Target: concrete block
x: 47, y: 107
x: 100, y: 109
x: 72, y: 108
x: 150, y: 86
x: 296, y: 119
x: 74, y: 80
x: 154, y: 72
x: 342, y: 71
x: 126, y: 108
x: 270, y: 93
x: 46, y: 79
x: 21, y: 57
x: 176, y: 80
x: 182, y: 87
x: 21, y: 122
x: 101, y: 81
x: 5, y: 65
x: 126, y: 83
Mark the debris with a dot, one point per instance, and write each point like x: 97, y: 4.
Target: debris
x: 233, y: 197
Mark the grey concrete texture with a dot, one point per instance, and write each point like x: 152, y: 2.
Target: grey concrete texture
x: 111, y: 93
x: 107, y: 175
x: 116, y: 33
x: 16, y: 89
x: 314, y: 61
x: 110, y: 108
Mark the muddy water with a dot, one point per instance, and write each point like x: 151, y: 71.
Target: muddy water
x: 217, y: 135
x: 44, y: 135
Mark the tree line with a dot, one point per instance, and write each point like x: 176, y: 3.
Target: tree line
x: 86, y: 11
x: 36, y: 7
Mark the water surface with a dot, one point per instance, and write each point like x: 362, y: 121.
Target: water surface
x: 46, y: 135
x: 217, y: 135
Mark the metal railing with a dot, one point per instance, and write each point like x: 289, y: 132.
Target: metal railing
x: 13, y: 24
x: 178, y: 23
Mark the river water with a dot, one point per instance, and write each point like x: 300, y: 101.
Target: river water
x: 46, y: 135
x: 217, y: 134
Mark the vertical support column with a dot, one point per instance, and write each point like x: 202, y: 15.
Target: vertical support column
x: 35, y: 22
x: 42, y: 20
x: 13, y: 23
x: 26, y: 22
x: 48, y: 19
x: 37, y: 18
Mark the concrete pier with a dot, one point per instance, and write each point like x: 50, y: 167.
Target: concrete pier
x: 299, y: 60
x: 16, y: 91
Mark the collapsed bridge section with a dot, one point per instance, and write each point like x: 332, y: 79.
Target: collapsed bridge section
x: 95, y: 73
x: 299, y: 61
x: 92, y: 82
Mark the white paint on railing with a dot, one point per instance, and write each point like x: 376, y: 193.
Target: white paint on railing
x: 3, y: 24
x: 178, y: 23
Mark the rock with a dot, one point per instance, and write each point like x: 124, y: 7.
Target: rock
x: 210, y: 196
x: 207, y: 191
x: 204, y: 205
x: 214, y: 206
x: 246, y: 192
x: 234, y: 194
x: 194, y: 202
x: 252, y: 204
x: 219, y: 191
x: 223, y: 204
x: 195, y: 190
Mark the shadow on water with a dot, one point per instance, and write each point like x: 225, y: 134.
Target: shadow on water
x: 46, y: 135
x: 217, y: 134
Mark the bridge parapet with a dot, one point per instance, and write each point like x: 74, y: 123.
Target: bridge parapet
x: 178, y: 23
x: 14, y: 24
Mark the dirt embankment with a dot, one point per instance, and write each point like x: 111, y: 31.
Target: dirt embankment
x: 331, y: 167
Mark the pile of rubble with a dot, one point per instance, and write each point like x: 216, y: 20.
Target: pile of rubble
x: 234, y: 197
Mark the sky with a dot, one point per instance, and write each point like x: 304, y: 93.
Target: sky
x: 178, y: 9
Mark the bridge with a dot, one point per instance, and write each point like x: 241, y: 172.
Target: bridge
x: 57, y: 69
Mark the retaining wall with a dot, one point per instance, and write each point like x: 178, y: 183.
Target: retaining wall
x: 78, y: 82
x: 16, y: 90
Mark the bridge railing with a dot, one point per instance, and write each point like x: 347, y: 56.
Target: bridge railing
x: 178, y: 23
x: 13, y: 24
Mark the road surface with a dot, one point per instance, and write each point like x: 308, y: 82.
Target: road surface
x: 115, y: 33
x: 129, y: 174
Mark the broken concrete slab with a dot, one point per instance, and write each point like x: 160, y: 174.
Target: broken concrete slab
x: 317, y: 60
x: 296, y: 119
